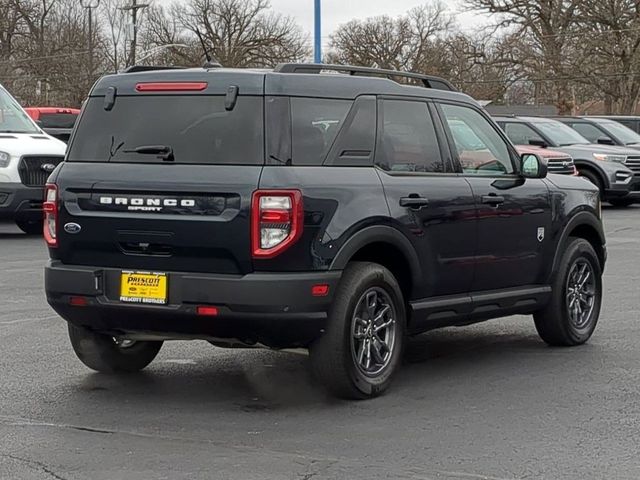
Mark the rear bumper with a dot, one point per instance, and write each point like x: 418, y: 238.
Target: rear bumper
x: 18, y: 202
x: 274, y: 309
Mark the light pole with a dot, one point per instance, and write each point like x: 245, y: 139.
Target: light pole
x: 317, y: 47
x: 133, y: 8
x: 89, y: 5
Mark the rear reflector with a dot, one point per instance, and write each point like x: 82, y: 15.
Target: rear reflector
x: 172, y: 87
x: 78, y: 301
x: 207, y: 311
x: 321, y: 290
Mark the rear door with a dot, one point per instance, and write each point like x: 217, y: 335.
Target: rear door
x: 432, y: 205
x: 514, y: 214
x: 162, y: 181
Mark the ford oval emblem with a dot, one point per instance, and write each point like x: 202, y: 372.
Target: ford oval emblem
x: 48, y: 167
x: 72, y: 228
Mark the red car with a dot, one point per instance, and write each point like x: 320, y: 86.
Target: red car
x: 557, y: 162
x: 57, y: 122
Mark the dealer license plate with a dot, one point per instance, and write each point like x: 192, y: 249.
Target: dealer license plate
x: 143, y: 287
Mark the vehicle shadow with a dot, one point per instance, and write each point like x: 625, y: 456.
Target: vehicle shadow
x: 264, y: 381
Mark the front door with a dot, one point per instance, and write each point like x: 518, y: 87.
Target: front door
x: 429, y: 202
x: 514, y: 213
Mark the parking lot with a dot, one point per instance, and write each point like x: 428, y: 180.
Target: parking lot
x: 484, y: 402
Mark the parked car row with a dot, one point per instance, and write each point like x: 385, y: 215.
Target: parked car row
x: 603, y: 151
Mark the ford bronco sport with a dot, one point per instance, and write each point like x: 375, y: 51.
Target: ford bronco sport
x: 298, y: 209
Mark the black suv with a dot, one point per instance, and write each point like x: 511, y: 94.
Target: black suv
x: 297, y: 209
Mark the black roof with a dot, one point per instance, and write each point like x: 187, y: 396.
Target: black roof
x: 307, y: 81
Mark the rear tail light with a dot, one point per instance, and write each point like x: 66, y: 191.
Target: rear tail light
x: 276, y: 221
x: 50, y: 207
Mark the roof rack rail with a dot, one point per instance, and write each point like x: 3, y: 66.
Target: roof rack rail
x: 150, y: 68
x: 428, y: 81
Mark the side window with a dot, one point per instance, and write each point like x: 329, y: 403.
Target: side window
x: 589, y: 131
x: 407, y: 140
x: 481, y: 149
x: 521, y: 134
x: 315, y: 123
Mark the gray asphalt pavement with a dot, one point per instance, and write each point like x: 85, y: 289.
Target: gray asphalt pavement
x: 483, y: 402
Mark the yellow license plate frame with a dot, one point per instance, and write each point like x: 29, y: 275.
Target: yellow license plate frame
x: 147, y: 288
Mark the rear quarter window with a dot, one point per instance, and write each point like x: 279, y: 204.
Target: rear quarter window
x: 301, y: 131
x: 198, y: 129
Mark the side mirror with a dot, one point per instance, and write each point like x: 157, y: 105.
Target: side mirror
x: 533, y: 166
x: 606, y: 141
x: 538, y: 143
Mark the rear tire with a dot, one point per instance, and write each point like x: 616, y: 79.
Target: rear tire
x: 571, y: 316
x: 105, y: 354
x: 30, y: 227
x: 358, y: 355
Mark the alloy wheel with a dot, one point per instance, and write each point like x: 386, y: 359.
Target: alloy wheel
x: 373, y: 331
x: 581, y: 293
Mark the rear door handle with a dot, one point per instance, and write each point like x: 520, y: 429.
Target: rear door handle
x: 494, y: 200
x: 414, y: 202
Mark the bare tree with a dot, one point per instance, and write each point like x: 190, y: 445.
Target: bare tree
x: 409, y: 42
x: 548, y: 25
x: 243, y: 33
x: 607, y: 49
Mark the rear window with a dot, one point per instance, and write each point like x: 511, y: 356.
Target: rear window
x: 198, y: 130
x: 58, y: 120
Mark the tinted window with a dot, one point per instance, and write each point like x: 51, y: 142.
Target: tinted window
x: 521, y: 134
x: 58, y: 120
x: 625, y: 134
x: 315, y: 123
x: 407, y: 141
x: 589, y: 131
x: 559, y: 134
x: 487, y: 153
x: 197, y: 128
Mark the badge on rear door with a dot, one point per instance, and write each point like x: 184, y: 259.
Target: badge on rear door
x: 540, y: 234
x: 72, y: 228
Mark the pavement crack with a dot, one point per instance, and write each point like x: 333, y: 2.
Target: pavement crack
x: 90, y: 429
x: 34, y: 464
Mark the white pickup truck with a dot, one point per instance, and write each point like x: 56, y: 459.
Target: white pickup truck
x: 27, y: 158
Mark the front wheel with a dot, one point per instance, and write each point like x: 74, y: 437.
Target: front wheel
x: 593, y: 178
x: 571, y: 316
x: 107, y: 354
x: 361, y: 349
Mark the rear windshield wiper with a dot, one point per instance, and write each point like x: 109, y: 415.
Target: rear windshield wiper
x: 163, y: 152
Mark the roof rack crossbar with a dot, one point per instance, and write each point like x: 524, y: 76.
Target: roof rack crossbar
x: 150, y: 68
x: 311, y: 68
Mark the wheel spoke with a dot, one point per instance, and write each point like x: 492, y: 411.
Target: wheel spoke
x: 377, y: 352
x: 372, y: 303
x: 384, y: 325
x: 361, y: 352
x: 381, y: 314
x: 368, y: 354
x: 584, y: 280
